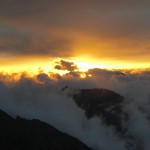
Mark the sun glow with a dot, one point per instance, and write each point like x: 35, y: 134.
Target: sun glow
x: 32, y: 67
x: 84, y: 63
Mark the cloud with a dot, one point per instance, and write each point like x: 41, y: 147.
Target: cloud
x: 66, y: 65
x: 111, y: 29
x: 23, y: 42
x: 42, y: 97
x: 29, y: 99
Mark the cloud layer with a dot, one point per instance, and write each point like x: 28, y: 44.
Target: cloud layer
x: 118, y: 30
x: 42, y: 97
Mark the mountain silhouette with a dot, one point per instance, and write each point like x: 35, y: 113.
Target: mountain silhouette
x: 102, y: 103
x: 22, y: 134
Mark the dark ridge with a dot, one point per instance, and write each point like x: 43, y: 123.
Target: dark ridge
x: 65, y: 88
x: 102, y: 103
x: 22, y: 134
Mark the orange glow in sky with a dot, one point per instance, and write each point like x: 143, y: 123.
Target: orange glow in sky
x: 92, y: 34
x: 84, y: 63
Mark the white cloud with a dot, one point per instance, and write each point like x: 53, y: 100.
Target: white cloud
x: 42, y: 97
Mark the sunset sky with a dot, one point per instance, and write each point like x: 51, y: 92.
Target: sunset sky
x: 98, y: 33
x: 82, y: 66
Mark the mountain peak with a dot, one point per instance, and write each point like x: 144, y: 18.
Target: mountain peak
x: 102, y: 103
x: 19, y: 133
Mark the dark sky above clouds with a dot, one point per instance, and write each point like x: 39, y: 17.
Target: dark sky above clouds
x: 115, y: 29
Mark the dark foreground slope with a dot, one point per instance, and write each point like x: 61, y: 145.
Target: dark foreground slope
x: 22, y: 134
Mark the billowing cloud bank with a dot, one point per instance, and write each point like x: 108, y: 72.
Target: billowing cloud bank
x: 42, y: 97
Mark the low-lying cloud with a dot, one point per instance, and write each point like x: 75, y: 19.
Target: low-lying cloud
x: 42, y: 97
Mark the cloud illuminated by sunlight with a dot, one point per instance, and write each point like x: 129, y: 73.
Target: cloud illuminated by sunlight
x: 84, y: 63
x: 32, y: 67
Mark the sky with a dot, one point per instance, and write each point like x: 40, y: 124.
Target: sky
x: 109, y: 33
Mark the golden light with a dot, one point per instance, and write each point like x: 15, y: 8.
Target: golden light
x: 84, y: 63
x: 32, y: 67
x: 82, y: 75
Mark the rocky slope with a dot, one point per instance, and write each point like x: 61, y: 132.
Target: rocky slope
x: 102, y: 103
x: 22, y: 134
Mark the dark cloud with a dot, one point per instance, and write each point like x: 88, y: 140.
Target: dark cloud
x: 54, y: 27
x: 103, y: 72
x: 19, y: 41
x: 66, y: 65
